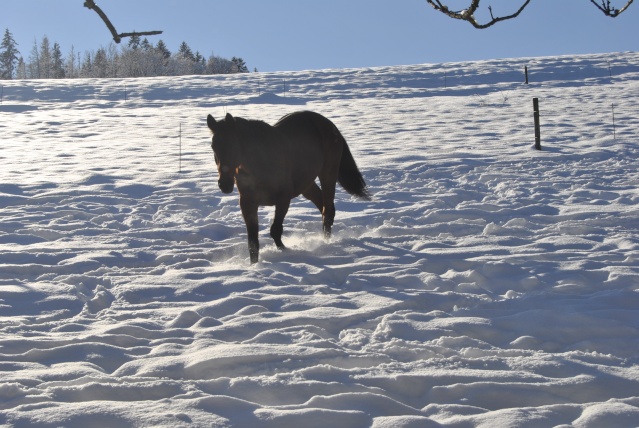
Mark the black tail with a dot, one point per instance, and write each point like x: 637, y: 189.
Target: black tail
x: 349, y: 176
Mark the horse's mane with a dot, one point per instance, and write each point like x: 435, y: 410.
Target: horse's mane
x: 256, y: 130
x: 249, y: 125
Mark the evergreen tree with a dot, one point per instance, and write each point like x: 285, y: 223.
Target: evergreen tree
x: 239, y: 65
x: 8, y: 56
x: 134, y: 42
x: 161, y: 47
x: 185, y: 52
x: 21, y: 71
x: 86, y: 69
x: 199, y: 63
x: 146, y: 45
x: 100, y: 64
x: 57, y: 62
x: 46, y: 63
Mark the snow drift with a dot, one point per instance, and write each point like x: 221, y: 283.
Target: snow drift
x: 486, y: 283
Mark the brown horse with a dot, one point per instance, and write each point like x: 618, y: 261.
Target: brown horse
x: 273, y: 164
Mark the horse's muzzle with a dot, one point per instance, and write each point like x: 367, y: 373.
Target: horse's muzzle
x: 226, y: 186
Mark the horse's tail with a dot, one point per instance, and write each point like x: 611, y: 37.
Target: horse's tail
x: 349, y: 176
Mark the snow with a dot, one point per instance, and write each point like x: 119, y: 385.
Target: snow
x: 486, y: 284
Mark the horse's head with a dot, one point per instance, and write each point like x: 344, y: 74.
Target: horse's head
x: 225, y: 149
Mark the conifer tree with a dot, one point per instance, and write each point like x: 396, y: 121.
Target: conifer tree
x: 86, y: 69
x: 161, y: 47
x: 134, y: 42
x: 239, y: 65
x: 57, y: 62
x: 186, y: 52
x: 100, y: 64
x: 21, y: 71
x: 8, y: 56
x: 45, y: 58
x: 146, y: 45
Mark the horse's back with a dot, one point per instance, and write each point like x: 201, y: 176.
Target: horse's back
x: 306, y: 123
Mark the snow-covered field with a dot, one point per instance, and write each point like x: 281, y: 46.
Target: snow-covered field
x: 486, y: 284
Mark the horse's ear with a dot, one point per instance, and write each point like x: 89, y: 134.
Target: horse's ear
x: 230, y: 121
x: 210, y: 121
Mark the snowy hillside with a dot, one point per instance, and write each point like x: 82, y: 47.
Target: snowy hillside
x: 486, y: 284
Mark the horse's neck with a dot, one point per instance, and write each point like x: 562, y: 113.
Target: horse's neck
x: 260, y: 145
x: 254, y: 132
x: 250, y: 138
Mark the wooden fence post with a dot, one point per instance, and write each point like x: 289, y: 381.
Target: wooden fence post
x: 526, y: 73
x: 537, y: 128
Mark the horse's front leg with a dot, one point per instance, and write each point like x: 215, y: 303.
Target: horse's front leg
x: 277, y: 228
x: 249, y: 212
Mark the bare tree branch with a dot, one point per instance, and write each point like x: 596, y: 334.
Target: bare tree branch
x: 90, y: 4
x: 611, y: 11
x: 468, y: 14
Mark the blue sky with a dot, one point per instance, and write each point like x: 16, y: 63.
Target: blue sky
x: 282, y: 35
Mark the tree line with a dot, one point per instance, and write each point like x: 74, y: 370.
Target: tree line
x: 139, y: 58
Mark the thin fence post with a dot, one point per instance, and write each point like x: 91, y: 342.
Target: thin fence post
x: 537, y: 127
x: 526, y: 73
x: 609, y: 70
x: 614, y: 127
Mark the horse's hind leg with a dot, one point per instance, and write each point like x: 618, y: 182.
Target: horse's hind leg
x: 328, y: 200
x: 314, y: 194
x: 277, y: 228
